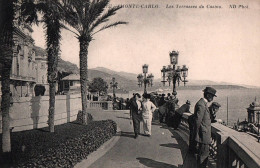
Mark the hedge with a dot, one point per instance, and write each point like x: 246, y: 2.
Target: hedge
x: 68, y: 145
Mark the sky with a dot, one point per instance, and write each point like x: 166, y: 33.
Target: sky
x: 221, y: 45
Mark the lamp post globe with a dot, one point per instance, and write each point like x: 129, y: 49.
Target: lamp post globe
x: 143, y: 79
x: 173, y: 74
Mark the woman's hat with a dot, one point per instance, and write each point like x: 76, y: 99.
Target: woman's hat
x: 146, y: 96
x: 138, y: 95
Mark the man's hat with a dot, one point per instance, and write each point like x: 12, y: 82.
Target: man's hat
x: 210, y: 90
x: 216, y: 104
x: 188, y: 102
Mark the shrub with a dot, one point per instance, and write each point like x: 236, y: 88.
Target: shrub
x: 68, y: 145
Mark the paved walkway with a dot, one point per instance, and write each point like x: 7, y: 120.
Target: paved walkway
x: 164, y: 149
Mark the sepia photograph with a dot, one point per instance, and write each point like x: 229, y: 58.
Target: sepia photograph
x: 130, y: 83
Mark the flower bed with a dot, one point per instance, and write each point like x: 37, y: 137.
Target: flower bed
x: 68, y: 145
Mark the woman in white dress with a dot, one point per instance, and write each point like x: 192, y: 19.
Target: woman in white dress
x: 148, y: 108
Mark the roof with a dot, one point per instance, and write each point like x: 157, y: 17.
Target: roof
x: 72, y: 77
x: 39, y: 51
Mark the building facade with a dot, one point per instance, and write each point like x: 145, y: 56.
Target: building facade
x: 23, y: 72
x: 41, y: 67
x: 29, y: 65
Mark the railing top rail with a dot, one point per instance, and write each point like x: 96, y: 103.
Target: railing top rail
x: 99, y: 101
x: 244, y: 145
x: 247, y: 149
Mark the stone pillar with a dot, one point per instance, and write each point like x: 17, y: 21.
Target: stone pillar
x: 109, y: 105
x: 68, y: 107
x: 27, y: 85
x: 222, y: 150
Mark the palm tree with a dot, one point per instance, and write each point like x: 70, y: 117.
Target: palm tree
x: 84, y: 16
x: 7, y: 8
x: 52, y: 24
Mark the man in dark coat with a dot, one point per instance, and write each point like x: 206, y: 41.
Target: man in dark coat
x: 202, y: 126
x: 213, y: 109
x: 170, y: 111
x: 179, y: 112
x: 136, y: 115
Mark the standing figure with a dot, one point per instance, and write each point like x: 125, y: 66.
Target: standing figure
x: 213, y: 109
x: 170, y: 111
x: 147, y: 114
x: 135, y: 108
x: 179, y: 112
x: 162, y: 108
x: 202, y: 126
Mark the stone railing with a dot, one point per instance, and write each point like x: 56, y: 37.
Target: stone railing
x: 32, y: 112
x: 230, y: 148
x: 102, y: 105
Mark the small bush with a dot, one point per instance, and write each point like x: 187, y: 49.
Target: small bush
x: 80, y: 117
x: 70, y: 144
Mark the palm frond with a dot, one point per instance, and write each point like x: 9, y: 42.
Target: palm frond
x: 66, y: 28
x: 104, y: 18
x: 110, y: 26
x: 96, y: 8
x: 70, y: 15
x: 29, y: 12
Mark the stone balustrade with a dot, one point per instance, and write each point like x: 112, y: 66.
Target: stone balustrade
x: 229, y: 148
x: 32, y: 112
x: 103, y: 105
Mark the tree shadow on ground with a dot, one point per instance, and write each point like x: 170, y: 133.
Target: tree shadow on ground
x: 156, y: 123
x: 125, y: 134
x: 154, y: 164
x: 171, y: 145
x: 127, y: 118
x: 166, y: 127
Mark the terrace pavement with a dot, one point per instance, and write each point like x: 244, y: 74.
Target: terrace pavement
x: 164, y: 149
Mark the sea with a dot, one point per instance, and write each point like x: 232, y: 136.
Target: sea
x: 234, y: 102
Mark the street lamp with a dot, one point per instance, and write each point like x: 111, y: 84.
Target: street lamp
x: 113, y: 85
x: 173, y: 74
x: 142, y: 79
x: 150, y: 78
x: 163, y: 71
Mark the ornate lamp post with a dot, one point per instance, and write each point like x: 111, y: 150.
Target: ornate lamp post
x: 142, y: 79
x: 150, y: 78
x: 174, y: 74
x: 113, y: 85
x: 163, y: 71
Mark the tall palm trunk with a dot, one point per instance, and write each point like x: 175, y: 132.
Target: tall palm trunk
x: 5, y: 104
x: 83, y: 56
x: 53, y: 47
x: 6, y: 57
